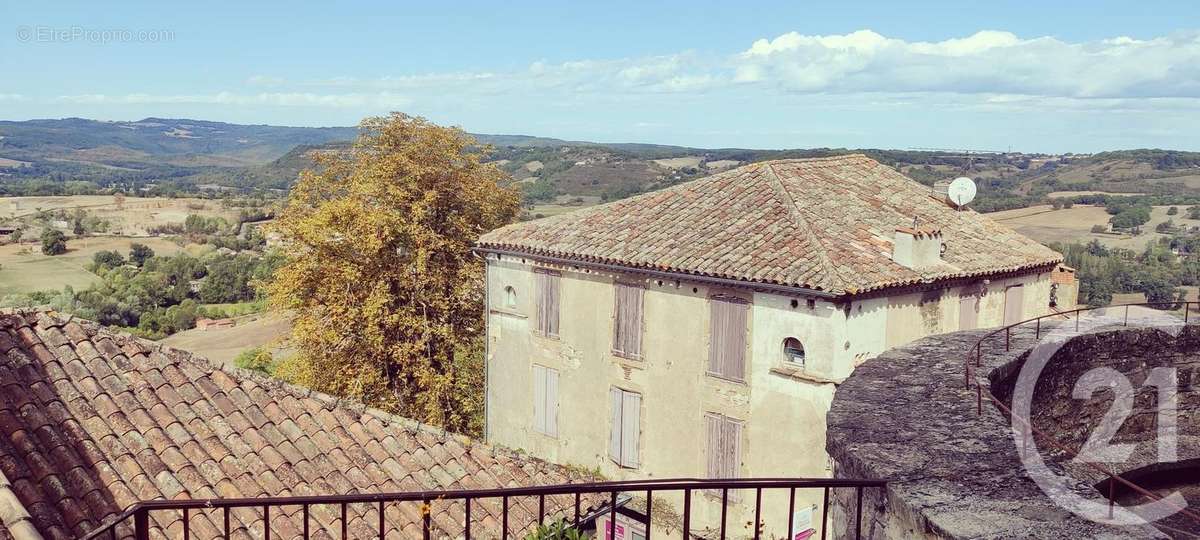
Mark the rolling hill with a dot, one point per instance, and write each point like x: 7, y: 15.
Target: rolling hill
x: 197, y: 154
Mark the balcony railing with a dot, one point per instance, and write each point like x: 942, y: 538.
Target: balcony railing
x: 136, y: 522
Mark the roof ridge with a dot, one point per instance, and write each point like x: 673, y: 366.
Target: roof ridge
x: 798, y: 217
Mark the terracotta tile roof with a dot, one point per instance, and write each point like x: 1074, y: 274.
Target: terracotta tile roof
x: 92, y: 421
x: 825, y: 224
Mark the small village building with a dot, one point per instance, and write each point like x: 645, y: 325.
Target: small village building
x: 701, y: 330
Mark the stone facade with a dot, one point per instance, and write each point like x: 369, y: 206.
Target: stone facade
x: 953, y: 466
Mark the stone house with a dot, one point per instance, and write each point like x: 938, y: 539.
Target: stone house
x: 701, y: 330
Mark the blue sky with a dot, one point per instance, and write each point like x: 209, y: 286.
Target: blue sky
x: 1030, y: 76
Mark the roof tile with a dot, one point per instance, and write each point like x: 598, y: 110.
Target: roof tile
x: 100, y: 420
x: 823, y: 224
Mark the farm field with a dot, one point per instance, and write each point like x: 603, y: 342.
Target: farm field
x: 1044, y: 224
x: 224, y: 344
x: 134, y: 217
x: 23, y: 268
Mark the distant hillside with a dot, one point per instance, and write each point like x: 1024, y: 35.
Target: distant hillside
x: 187, y: 154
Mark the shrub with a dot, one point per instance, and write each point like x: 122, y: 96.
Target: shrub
x: 54, y: 242
x: 255, y: 359
x: 1099, y: 228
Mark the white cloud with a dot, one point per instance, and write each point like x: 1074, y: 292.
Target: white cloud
x: 985, y: 62
x: 280, y: 99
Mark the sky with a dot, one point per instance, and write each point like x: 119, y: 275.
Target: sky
x: 1059, y: 76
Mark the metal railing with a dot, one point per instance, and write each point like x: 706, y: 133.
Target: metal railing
x: 136, y: 520
x: 984, y: 391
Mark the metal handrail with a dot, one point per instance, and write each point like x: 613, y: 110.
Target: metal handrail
x: 1113, y: 478
x: 139, y: 512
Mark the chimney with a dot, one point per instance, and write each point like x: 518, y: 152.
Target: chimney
x: 917, y: 248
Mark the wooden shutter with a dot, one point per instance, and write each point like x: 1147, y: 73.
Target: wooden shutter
x: 712, y: 431
x: 731, y: 447
x: 552, y: 402
x: 539, y: 398
x: 545, y: 400
x: 1014, y: 304
x: 614, y: 436
x: 727, y: 329
x: 967, y: 315
x: 630, y: 428
x: 627, y: 328
x: 724, y: 437
x: 547, y: 285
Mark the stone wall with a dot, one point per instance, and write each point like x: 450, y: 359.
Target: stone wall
x: 908, y: 417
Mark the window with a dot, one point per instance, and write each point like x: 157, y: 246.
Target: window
x: 793, y: 351
x: 547, y: 306
x: 724, y: 447
x: 626, y: 427
x: 627, y: 326
x: 727, y: 353
x: 545, y: 400
x: 510, y: 297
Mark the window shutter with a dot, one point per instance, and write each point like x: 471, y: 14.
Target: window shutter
x: 548, y: 297
x: 731, y: 431
x: 631, y: 428
x: 712, y: 429
x: 627, y: 328
x: 539, y: 398
x: 727, y: 353
x: 552, y: 402
x: 614, y: 437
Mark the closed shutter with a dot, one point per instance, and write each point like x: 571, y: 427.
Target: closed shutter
x: 1014, y: 307
x: 727, y: 353
x: 539, y: 398
x: 552, y: 402
x: 731, y: 433
x: 712, y: 431
x: 545, y: 400
x: 630, y: 429
x: 627, y: 328
x: 614, y: 436
x: 548, y: 299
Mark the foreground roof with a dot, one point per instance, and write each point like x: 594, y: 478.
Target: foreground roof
x: 92, y: 421
x: 825, y: 224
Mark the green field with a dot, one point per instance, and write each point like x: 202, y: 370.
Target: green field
x: 23, y: 268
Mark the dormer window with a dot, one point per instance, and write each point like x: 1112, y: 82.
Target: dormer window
x: 793, y: 352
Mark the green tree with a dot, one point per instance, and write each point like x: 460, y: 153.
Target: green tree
x: 385, y: 292
x: 1172, y: 211
x: 140, y: 253
x: 54, y: 242
x: 107, y: 259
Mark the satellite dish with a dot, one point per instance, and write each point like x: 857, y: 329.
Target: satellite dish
x: 961, y: 191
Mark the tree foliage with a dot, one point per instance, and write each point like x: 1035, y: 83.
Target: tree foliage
x: 54, y: 242
x: 386, y: 294
x: 139, y: 254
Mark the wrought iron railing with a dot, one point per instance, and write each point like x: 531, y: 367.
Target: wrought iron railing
x: 983, y: 391
x: 136, y: 522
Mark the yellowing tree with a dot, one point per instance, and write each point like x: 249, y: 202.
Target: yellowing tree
x: 386, y: 293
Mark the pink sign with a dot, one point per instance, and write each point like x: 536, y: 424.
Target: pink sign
x: 608, y: 525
